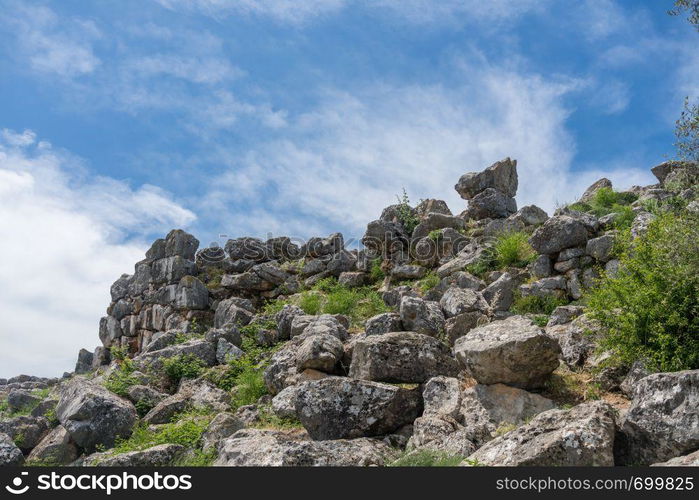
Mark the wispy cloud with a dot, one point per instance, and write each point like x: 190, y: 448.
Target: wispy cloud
x: 51, y: 45
x: 68, y: 235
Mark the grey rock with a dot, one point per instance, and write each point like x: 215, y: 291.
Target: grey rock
x: 564, y: 314
x: 541, y: 267
x: 284, y: 403
x: 338, y: 408
x: 246, y: 282
x: 393, y: 297
x: 457, y: 301
x: 558, y: 233
x: 460, y: 325
x: 581, y: 436
x: 230, y: 312
x: 601, y: 248
x: 201, y: 349
x: 408, y: 272
x: 94, y: 416
x: 120, y: 288
x: 247, y: 248
x: 501, y: 175
x: 204, y: 395
x: 691, y: 460
x: 56, y: 448
x: 421, y: 316
x: 353, y: 279
x: 577, y: 340
x: 531, y: 215
x: 544, y: 287
x: 434, y: 221
x: 383, y: 323
x: 21, y: 399
x: 640, y: 224
x: 10, y: 455
x: 263, y: 448
x: 513, y: 351
x: 636, y: 372
x: 662, y: 421
x: 319, y: 352
x: 145, y: 395
x: 221, y: 427
x: 180, y: 243
x: 164, y: 411
x: 491, y: 203
x: 157, y: 456
x: 325, y: 324
x: 501, y: 293
x: 401, y: 357
x: 191, y: 294
x: 227, y: 352
x: 611, y: 268
x: 84, y: 363
x: 284, y: 320
x: 109, y: 330
x: 596, y: 186
x: 25, y: 431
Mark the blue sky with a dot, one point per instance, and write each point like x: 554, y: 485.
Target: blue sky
x: 121, y: 119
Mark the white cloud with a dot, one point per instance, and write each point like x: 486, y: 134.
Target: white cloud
x: 66, y: 237
x: 341, y: 163
x: 611, y: 97
x: 51, y: 45
x: 414, y: 11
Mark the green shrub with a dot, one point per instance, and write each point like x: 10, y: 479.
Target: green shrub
x: 197, y: 458
x: 249, y: 384
x: 121, y: 379
x: 606, y: 201
x: 406, y: 214
x: 533, y: 304
x: 436, y: 235
x: 186, y: 431
x: 118, y: 353
x: 376, y: 273
x: 427, y: 283
x: 651, y: 307
x: 311, y: 303
x: 513, y: 249
x: 427, y: 458
x: 541, y: 320
x: 183, y: 366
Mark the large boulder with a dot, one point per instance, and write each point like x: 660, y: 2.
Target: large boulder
x: 222, y: 426
x: 691, y: 460
x: 559, y: 233
x: 9, y: 453
x: 94, y: 416
x: 231, y: 312
x: 25, y: 431
x: 662, y: 421
x: 401, y: 357
x: 501, y: 175
x: 57, y: 448
x: 200, y: 349
x: 577, y: 340
x: 457, y: 301
x: 320, y: 352
x: 265, y: 448
x: 581, y: 436
x: 383, y: 323
x: 421, y: 316
x: 341, y: 408
x: 513, y: 351
x: 594, y: 187
x: 492, y: 204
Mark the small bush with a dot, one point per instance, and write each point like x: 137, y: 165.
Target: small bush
x: 513, y: 249
x: 249, y: 384
x: 406, y: 214
x: 650, y: 309
x: 376, y: 273
x: 311, y: 303
x: 427, y: 458
x: 118, y: 353
x: 186, y: 431
x: 183, y: 366
x: 533, y: 304
x: 428, y: 282
x: 436, y: 235
x: 121, y: 379
x: 197, y: 458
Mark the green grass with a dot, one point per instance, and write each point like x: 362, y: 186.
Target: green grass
x: 268, y: 420
x: 249, y: 385
x: 197, y: 458
x: 183, y: 366
x: 121, y: 379
x: 311, y: 303
x: 541, y: 320
x: 186, y: 431
x: 513, y: 250
x: 376, y: 274
x: 533, y: 304
x: 606, y: 201
x: 427, y: 283
x: 427, y: 458
x: 5, y: 411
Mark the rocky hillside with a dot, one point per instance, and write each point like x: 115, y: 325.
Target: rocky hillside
x: 470, y: 339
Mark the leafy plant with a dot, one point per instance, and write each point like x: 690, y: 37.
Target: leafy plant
x: 436, y: 235
x: 186, y: 431
x: 606, y: 201
x: 376, y: 273
x: 311, y: 303
x: 650, y: 308
x: 183, y: 366
x: 513, y: 249
x: 121, y: 379
x: 249, y: 384
x: 427, y: 283
x: 406, y: 214
x: 534, y: 304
